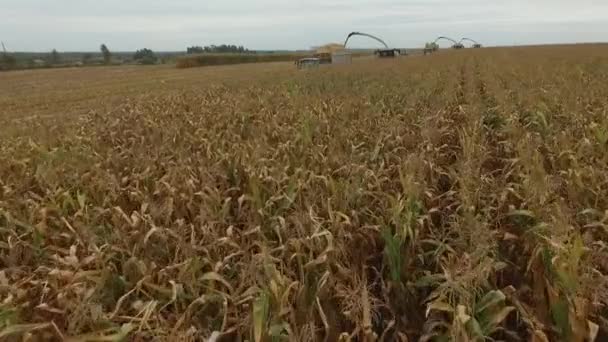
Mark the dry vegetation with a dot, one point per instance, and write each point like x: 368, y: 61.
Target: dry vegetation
x: 208, y: 59
x: 461, y: 196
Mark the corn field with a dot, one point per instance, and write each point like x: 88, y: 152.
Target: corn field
x: 200, y: 60
x: 461, y: 196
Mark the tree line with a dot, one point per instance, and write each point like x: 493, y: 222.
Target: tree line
x: 144, y: 56
x: 217, y: 49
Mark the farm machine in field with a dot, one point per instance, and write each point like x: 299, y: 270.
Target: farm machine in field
x: 455, y: 45
x: 7, y: 61
x: 308, y: 63
x: 432, y: 47
x: 383, y: 53
x: 475, y: 45
x: 324, y: 57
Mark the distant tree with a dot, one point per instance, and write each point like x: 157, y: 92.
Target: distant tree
x: 145, y: 56
x: 54, y: 57
x: 105, y: 52
x: 194, y: 49
x: 224, y: 49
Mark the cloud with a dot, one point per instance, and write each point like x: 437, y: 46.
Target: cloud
x: 290, y: 24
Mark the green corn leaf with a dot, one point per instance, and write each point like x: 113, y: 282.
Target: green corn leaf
x: 260, y: 315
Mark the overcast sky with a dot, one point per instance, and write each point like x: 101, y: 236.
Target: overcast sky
x: 82, y: 25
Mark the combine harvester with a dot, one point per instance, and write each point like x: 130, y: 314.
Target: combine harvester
x: 333, y: 53
x: 433, y: 47
x: 338, y: 54
x: 383, y: 53
x: 456, y: 45
x: 475, y: 45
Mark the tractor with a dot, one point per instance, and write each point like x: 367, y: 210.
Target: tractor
x: 475, y: 45
x: 382, y: 53
x: 432, y: 47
